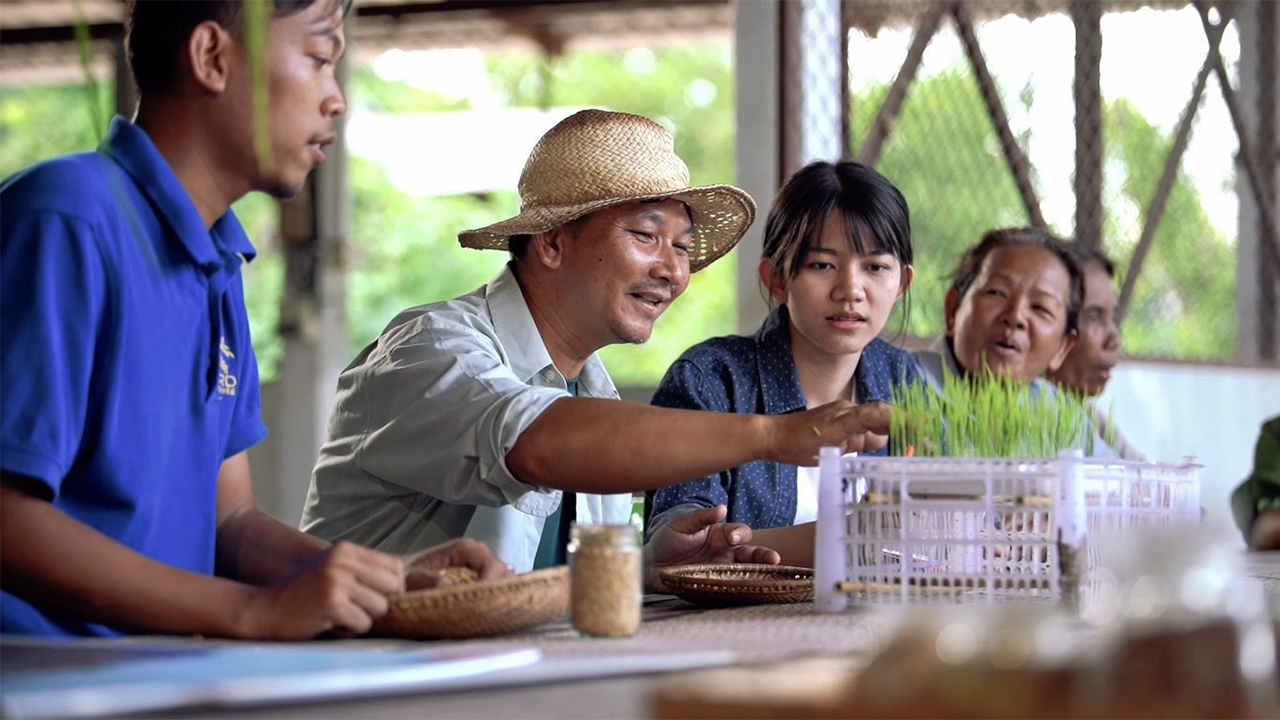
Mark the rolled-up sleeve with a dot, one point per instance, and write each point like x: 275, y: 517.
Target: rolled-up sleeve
x: 440, y: 410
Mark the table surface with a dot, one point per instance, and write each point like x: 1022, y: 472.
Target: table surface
x: 672, y: 629
x: 756, y: 634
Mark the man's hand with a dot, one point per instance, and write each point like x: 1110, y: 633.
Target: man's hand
x: 701, y: 536
x: 1266, y: 531
x: 853, y: 428
x: 342, y: 591
x: 422, y: 569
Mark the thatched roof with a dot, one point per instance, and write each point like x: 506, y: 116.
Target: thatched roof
x: 37, y: 36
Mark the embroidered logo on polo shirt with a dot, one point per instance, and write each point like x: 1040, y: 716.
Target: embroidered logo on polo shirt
x: 226, y: 381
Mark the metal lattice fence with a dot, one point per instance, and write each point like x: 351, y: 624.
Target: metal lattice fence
x: 1053, y: 118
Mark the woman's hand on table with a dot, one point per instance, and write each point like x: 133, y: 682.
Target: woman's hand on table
x: 701, y: 536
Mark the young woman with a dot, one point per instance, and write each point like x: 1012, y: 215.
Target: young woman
x: 837, y: 257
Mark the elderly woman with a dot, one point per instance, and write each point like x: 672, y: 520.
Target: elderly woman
x: 1012, y: 310
x: 1087, y: 369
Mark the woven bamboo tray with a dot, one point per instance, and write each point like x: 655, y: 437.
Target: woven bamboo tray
x: 739, y: 584
x: 489, y: 607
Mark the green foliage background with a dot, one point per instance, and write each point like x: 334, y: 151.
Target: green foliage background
x: 942, y: 155
x: 405, y: 250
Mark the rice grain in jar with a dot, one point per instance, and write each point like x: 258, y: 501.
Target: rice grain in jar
x: 605, y: 586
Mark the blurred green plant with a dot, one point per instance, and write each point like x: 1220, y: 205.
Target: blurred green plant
x: 256, y: 17
x: 404, y: 250
x: 1184, y: 304
x: 944, y: 158
x: 942, y: 155
x: 39, y: 122
x: 84, y: 47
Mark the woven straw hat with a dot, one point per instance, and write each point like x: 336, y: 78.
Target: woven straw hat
x: 594, y: 159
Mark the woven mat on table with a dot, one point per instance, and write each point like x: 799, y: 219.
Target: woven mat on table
x: 1262, y: 565
x: 760, y: 633
x: 1270, y: 586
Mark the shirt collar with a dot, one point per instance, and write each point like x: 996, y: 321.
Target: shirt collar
x: 526, y: 352
x: 873, y: 386
x: 128, y: 145
x: 946, y: 349
x: 779, y: 384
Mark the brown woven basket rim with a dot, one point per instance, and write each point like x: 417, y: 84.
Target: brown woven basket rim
x: 483, y: 607
x: 752, y: 576
x: 479, y: 589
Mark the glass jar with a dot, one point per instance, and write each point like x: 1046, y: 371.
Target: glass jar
x: 1192, y: 636
x: 605, y: 580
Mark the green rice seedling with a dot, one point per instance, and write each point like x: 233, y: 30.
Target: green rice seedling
x: 986, y: 416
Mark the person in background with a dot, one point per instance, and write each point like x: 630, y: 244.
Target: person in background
x: 1256, y: 502
x: 837, y: 258
x: 1012, y: 310
x: 1088, y: 366
x: 490, y: 416
x: 131, y: 389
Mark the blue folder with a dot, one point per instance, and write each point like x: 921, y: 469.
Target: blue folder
x: 88, y: 678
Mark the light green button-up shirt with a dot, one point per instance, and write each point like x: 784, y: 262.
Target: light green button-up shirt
x: 422, y: 424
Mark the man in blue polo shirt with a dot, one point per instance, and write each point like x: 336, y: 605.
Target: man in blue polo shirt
x: 130, y: 385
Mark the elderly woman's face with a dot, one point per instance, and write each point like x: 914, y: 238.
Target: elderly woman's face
x: 1088, y: 368
x: 1013, y: 318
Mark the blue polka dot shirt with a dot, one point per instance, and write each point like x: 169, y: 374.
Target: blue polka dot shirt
x: 756, y: 374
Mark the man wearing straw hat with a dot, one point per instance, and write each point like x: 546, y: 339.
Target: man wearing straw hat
x: 490, y: 416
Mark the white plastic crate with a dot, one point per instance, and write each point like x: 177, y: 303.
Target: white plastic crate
x: 913, y: 530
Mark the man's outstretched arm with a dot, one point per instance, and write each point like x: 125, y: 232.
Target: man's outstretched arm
x: 611, y: 446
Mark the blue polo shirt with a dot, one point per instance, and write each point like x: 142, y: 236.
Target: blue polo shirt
x: 756, y: 374
x: 125, y: 362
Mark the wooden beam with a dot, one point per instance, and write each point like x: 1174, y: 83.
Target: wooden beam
x: 757, y: 102
x: 1257, y: 182
x: 1259, y: 286
x: 58, y: 34
x: 887, y: 115
x: 1013, y: 155
x: 64, y: 31
x: 1086, y: 15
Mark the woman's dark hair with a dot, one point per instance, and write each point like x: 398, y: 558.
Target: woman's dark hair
x: 157, y: 30
x: 875, y: 214
x: 971, y: 263
x: 1085, y: 255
